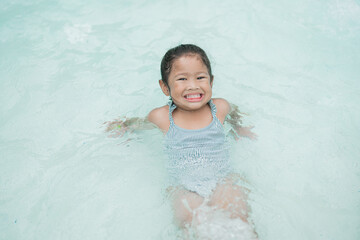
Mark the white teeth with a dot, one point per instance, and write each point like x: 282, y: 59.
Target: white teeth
x: 193, y: 96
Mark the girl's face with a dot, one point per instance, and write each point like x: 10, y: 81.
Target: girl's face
x: 189, y: 82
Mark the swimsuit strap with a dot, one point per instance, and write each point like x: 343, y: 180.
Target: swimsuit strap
x: 172, y: 107
x: 213, y: 108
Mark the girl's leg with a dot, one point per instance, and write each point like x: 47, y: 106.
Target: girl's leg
x: 185, y: 204
x: 231, y: 198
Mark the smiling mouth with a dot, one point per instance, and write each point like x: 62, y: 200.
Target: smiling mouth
x: 194, y: 97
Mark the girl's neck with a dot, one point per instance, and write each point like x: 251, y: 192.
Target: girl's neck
x: 193, y: 119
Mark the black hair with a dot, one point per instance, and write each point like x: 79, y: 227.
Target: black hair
x: 174, y: 53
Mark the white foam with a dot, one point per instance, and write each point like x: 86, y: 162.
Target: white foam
x: 215, y: 225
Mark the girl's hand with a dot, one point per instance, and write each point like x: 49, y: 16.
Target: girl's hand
x: 246, y: 132
x: 243, y: 132
x: 117, y: 127
x: 123, y: 125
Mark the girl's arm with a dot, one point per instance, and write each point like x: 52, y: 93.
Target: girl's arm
x: 230, y: 113
x: 234, y: 119
x: 157, y: 118
x: 120, y: 126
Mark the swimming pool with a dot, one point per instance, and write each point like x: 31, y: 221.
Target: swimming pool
x: 66, y: 67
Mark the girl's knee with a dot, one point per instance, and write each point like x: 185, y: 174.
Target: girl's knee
x: 231, y: 198
x: 185, y: 205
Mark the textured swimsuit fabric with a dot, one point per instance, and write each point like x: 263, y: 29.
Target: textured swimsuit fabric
x: 198, y: 159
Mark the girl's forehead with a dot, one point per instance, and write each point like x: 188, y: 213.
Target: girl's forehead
x: 189, y: 55
x: 188, y: 61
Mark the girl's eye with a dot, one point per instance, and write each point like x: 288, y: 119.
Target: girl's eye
x: 182, y: 79
x: 201, y: 77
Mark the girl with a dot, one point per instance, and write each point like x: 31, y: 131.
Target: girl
x: 195, y: 139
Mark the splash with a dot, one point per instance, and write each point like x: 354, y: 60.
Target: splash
x: 215, y: 225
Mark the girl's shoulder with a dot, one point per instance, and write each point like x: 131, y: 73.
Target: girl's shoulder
x: 222, y: 108
x: 160, y: 117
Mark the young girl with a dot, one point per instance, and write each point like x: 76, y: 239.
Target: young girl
x: 195, y: 140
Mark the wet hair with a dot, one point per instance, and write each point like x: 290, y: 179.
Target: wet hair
x: 182, y: 50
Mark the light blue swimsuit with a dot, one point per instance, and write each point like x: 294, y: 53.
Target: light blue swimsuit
x: 198, y: 159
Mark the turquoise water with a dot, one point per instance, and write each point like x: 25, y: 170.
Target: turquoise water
x: 66, y: 67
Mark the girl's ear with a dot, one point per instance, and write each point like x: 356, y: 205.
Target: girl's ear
x: 211, y: 80
x: 164, y: 88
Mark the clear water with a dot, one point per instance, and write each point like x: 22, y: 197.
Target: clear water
x: 68, y: 66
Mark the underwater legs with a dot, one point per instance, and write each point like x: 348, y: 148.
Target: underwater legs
x: 231, y: 198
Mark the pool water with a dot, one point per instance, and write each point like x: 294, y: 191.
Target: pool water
x: 66, y: 67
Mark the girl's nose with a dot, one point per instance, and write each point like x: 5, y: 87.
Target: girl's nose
x: 192, y: 84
